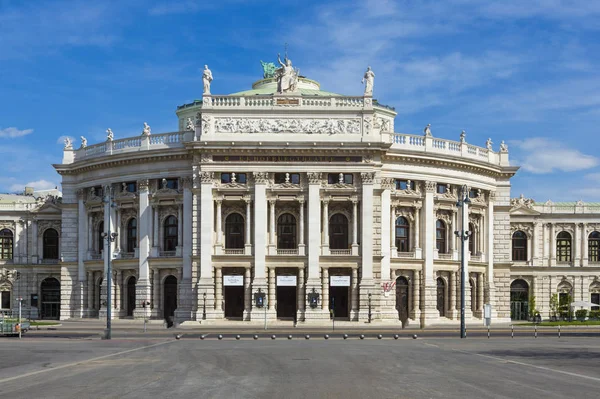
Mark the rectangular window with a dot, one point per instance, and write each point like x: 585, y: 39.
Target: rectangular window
x: 5, y: 300
x: 232, y: 177
x: 473, y: 193
x: 131, y: 187
x: 405, y: 185
x: 442, y: 188
x: 290, y: 178
x: 172, y: 184
x: 344, y: 178
x: 98, y: 191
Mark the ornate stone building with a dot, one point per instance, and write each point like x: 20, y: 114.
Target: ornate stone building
x: 289, y: 190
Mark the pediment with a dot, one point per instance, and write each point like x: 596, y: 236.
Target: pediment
x: 523, y: 210
x: 48, y: 209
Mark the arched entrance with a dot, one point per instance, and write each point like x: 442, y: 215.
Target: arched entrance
x: 402, y: 298
x: 441, y: 296
x: 130, y: 295
x: 170, y: 297
x: 50, y: 304
x: 519, y: 300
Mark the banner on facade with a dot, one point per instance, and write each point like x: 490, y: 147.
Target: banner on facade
x: 339, y: 281
x: 233, y: 281
x: 286, y: 281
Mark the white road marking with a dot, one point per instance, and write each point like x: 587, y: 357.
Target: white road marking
x: 529, y: 365
x: 63, y: 366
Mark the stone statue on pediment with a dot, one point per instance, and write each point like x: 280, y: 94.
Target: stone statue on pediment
x: 147, y: 131
x: 488, y: 143
x: 68, y: 143
x: 503, y: 147
x: 190, y: 125
x: 522, y: 201
x: 207, y: 79
x: 109, y: 135
x: 368, y: 80
x: 427, y: 130
x: 287, y: 76
x: 83, y: 142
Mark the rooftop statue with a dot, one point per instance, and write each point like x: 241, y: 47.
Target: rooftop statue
x: 368, y: 79
x: 83, y: 142
x: 207, y: 78
x: 287, y: 76
x: 68, y: 144
x: 269, y: 69
x: 190, y: 124
x: 488, y: 144
x: 147, y: 130
x: 503, y: 147
x: 109, y: 135
x: 427, y: 130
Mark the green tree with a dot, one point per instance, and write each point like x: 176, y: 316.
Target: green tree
x: 532, y: 310
x: 553, y: 305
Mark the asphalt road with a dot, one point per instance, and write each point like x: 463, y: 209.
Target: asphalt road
x: 300, y: 368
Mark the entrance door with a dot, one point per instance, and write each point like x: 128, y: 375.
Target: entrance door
x: 286, y: 302
x: 519, y: 300
x: 338, y: 296
x: 402, y: 298
x: 130, y: 295
x: 50, y: 306
x: 170, y: 297
x: 234, y: 302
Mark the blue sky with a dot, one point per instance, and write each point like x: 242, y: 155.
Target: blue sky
x: 521, y: 71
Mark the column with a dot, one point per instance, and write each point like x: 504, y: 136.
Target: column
x: 142, y: 286
x: 156, y: 292
x: 34, y: 241
x: 82, y: 228
x: 219, y: 221
x: 545, y: 247
x: 418, y: 253
x: 534, y: 244
x: 416, y: 294
x: 185, y: 294
x: 452, y: 296
x: 118, y: 230
x: 179, y: 226
x: 429, y: 293
x: 355, y: 228
x: 301, y: 294
x: 271, y: 297
x: 272, y: 249
x: 247, y: 294
x: 18, y: 243
x: 585, y: 243
x: 301, y: 245
x: 479, y: 295
x: 118, y: 277
x: 393, y: 249
x: 260, y: 223
x: 248, y: 243
x: 206, y: 216
x: 325, y: 288
x: 367, y: 228
x: 314, y: 236
x: 155, y: 225
x: 490, y: 289
x: 386, y: 218
x: 576, y: 245
x: 90, y: 291
x: 552, y: 243
x: 354, y: 295
x: 90, y: 234
x: 325, y: 236
x: 219, y: 291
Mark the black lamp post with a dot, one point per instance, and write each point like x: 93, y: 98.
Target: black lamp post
x: 204, y: 306
x: 110, y: 237
x: 369, y: 307
x: 463, y: 203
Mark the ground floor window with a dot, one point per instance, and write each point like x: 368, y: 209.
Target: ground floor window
x: 5, y: 300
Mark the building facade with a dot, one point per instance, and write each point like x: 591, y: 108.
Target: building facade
x: 292, y: 191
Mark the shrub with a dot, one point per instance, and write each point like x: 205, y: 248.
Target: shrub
x: 580, y: 314
x: 594, y: 314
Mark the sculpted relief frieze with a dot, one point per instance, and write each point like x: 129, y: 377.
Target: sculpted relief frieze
x: 311, y: 126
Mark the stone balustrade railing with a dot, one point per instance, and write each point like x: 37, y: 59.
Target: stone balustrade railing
x: 217, y: 101
x: 447, y: 147
x: 567, y: 208
x: 131, y: 144
x: 17, y: 206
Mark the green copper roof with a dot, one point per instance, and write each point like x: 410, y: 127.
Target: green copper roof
x: 268, y: 90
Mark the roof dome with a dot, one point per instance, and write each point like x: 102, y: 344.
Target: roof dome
x: 306, y: 87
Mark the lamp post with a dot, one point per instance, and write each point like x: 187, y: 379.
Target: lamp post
x: 369, y: 307
x: 110, y: 237
x: 204, y: 306
x: 463, y: 203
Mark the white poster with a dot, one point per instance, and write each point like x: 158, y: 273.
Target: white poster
x: 230, y: 280
x: 286, y: 281
x: 339, y: 281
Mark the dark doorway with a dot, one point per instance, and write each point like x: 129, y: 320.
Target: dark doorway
x: 286, y: 302
x: 441, y: 296
x: 402, y: 298
x: 50, y: 308
x: 338, y: 298
x: 234, y: 301
x: 130, y: 295
x: 170, y: 298
x: 99, y: 294
x: 519, y: 300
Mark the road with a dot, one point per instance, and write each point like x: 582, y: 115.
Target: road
x: 300, y: 368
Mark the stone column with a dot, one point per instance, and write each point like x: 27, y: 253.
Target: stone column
x: 205, y: 280
x: 301, y: 295
x: 34, y: 241
x: 429, y: 294
x: 386, y: 218
x: 185, y: 294
x: 271, y: 297
x: 17, y: 243
x: 545, y: 247
x: 90, y: 234
x: 82, y: 229
x: 416, y: 294
x: 156, y: 293
x: 261, y: 180
x: 452, y: 297
x: 325, y: 236
x: 393, y: 249
x: 355, y: 226
x: 576, y: 245
x: 552, y: 243
x: 219, y: 291
x: 219, y: 222
x: 247, y: 293
x: 179, y: 226
x: 301, y: 245
x: 418, y: 253
x: 248, y: 237
x: 325, y: 283
x: 354, y: 295
x: 314, y: 239
x: 90, y: 292
x: 272, y: 249
x: 156, y: 225
x: 534, y: 244
x: 490, y: 289
x: 152, y: 295
x: 479, y: 295
x: 142, y: 286
x: 119, y: 292
x: 118, y: 230
x: 585, y: 245
x: 366, y: 284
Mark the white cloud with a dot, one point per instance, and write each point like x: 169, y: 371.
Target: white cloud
x: 12, y: 132
x: 543, y: 155
x: 37, y: 185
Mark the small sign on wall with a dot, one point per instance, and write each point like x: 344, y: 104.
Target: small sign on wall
x: 286, y: 281
x: 339, y: 281
x: 233, y: 281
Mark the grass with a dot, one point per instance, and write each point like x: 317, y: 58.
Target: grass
x: 33, y: 323
x: 566, y: 323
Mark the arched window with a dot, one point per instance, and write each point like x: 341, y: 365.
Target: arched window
x: 402, y: 234
x: 100, y: 238
x: 594, y: 247
x: 286, y: 231
x: 131, y: 235
x: 472, y: 239
x: 6, y: 244
x: 338, y: 231
x: 170, y: 234
x: 519, y: 246
x: 563, y: 247
x: 50, y: 246
x: 234, y: 231
x: 440, y: 236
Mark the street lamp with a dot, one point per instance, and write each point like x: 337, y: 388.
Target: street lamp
x: 110, y: 237
x: 369, y: 307
x: 204, y: 306
x: 463, y: 203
